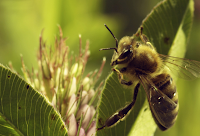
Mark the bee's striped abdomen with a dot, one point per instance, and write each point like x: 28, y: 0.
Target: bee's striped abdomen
x: 164, y: 103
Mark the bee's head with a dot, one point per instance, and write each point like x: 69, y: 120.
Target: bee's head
x: 124, y: 50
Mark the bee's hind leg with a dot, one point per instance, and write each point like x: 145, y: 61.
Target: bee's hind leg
x: 122, y: 81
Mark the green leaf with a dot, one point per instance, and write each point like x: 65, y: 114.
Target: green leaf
x: 24, y: 111
x: 167, y: 27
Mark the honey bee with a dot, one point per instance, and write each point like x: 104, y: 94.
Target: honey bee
x: 137, y: 60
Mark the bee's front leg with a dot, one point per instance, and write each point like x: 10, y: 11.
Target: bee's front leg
x: 122, y: 81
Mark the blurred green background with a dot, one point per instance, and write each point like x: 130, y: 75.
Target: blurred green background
x: 21, y: 23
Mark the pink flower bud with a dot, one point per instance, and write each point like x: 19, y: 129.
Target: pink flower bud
x: 72, y: 126
x: 92, y: 109
x: 85, y: 111
x: 82, y: 132
x: 91, y: 94
x: 92, y: 129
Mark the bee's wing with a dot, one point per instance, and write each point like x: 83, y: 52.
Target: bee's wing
x: 160, y: 104
x: 183, y: 68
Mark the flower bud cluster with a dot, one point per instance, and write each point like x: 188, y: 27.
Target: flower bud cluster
x: 60, y: 78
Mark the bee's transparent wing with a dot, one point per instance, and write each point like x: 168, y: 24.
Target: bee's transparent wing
x: 162, y: 107
x: 183, y: 68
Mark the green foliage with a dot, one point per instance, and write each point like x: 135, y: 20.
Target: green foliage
x: 24, y: 111
x: 167, y: 27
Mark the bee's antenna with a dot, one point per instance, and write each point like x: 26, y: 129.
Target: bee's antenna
x: 112, y: 35
x: 108, y: 49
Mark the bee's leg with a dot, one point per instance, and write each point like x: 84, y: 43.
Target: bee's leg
x: 136, y: 92
x: 122, y: 81
x: 115, y: 118
x: 126, y: 110
x: 111, y: 121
